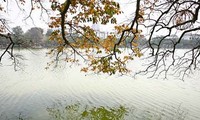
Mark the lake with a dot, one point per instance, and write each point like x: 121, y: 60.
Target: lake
x: 34, y: 93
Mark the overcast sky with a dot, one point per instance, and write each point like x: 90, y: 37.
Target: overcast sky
x: 16, y: 16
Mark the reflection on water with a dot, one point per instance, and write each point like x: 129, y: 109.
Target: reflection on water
x: 31, y: 93
x: 79, y: 112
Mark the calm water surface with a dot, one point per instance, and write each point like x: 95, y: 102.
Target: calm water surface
x: 30, y: 92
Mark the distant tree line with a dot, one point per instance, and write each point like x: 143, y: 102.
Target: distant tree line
x: 188, y: 41
x: 35, y: 38
x: 32, y: 38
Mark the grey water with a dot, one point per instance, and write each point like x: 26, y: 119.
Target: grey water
x: 32, y: 90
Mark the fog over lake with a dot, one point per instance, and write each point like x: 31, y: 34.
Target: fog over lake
x: 29, y: 92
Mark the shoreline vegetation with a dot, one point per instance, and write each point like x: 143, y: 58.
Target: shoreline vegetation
x: 36, y: 39
x: 186, y: 44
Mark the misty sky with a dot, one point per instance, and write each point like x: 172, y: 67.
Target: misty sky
x: 16, y: 15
